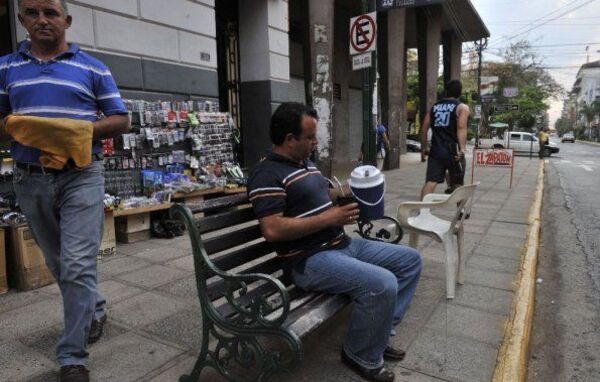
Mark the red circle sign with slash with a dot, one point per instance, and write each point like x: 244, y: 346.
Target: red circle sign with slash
x: 362, y: 33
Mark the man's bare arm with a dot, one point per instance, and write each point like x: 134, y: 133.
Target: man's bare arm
x: 463, y: 118
x: 277, y: 228
x: 111, y: 127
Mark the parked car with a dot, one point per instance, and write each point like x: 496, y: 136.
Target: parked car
x: 520, y: 142
x: 568, y: 137
x: 413, y: 146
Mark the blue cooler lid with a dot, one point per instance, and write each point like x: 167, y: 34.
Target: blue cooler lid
x: 366, y: 177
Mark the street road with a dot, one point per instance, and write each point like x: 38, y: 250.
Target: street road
x: 566, y: 329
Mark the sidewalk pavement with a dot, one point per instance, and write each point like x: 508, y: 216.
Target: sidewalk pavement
x: 153, y: 331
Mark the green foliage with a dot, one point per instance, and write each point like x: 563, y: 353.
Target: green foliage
x: 521, y: 68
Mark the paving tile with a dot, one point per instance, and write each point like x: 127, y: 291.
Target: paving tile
x: 406, y: 375
x: 451, y: 357
x: 183, y: 328
x: 14, y: 300
x: 128, y: 357
x: 44, y: 341
x: 31, y: 318
x: 185, y: 263
x: 161, y: 254
x: 517, y: 231
x: 498, y: 252
x: 120, y: 265
x: 135, y: 248
x: 114, y: 291
x: 153, y: 276
x: 468, y: 322
x: 179, y: 368
x: 490, y: 279
x: 183, y: 288
x: 143, y: 309
x: 18, y: 362
x: 502, y: 241
x: 495, y: 264
x: 434, y: 269
x: 493, y: 300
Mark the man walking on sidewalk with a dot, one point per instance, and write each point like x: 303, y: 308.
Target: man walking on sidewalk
x: 51, y: 79
x: 448, y: 122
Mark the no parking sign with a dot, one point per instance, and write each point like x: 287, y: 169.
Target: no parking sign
x: 363, y: 33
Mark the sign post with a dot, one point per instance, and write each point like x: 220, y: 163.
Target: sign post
x: 504, y: 158
x: 363, y: 49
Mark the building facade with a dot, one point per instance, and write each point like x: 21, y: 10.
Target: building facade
x: 251, y: 55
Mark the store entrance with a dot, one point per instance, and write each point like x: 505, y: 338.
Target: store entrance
x: 6, y: 43
x: 229, y: 64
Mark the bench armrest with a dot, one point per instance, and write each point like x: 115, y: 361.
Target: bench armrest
x: 391, y: 233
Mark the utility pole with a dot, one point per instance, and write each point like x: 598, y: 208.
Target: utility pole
x: 480, y: 46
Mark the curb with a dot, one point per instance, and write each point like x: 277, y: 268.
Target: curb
x: 590, y: 143
x: 511, y: 364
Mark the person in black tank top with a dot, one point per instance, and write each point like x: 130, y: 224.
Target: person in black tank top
x: 447, y: 120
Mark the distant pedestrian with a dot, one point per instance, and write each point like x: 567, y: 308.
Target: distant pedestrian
x: 382, y: 142
x: 447, y: 120
x: 543, y: 140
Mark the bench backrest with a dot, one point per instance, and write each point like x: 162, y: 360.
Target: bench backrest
x: 230, y: 239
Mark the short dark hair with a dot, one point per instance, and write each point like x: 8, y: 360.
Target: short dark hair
x: 287, y: 119
x: 454, y: 89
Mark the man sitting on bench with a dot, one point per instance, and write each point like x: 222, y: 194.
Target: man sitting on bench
x: 295, y: 208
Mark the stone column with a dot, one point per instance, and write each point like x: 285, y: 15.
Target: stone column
x: 396, y: 80
x: 264, y: 70
x: 429, y: 34
x: 452, y: 56
x: 321, y: 24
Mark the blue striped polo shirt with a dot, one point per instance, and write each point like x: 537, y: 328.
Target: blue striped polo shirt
x: 297, y: 190
x: 72, y: 85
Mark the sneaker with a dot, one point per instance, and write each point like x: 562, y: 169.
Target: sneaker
x: 96, y: 330
x: 74, y: 373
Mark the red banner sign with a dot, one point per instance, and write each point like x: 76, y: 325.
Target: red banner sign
x: 493, y: 158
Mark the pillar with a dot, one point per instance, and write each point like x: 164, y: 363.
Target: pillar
x: 429, y: 29
x: 452, y: 56
x: 321, y: 24
x: 395, y: 81
x: 264, y: 71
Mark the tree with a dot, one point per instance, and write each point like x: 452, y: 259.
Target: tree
x: 590, y: 112
x: 522, y: 68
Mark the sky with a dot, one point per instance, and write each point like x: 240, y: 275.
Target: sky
x: 552, y: 22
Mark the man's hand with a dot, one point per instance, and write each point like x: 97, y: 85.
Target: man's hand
x: 340, y: 216
x: 460, y: 155
x: 424, y: 153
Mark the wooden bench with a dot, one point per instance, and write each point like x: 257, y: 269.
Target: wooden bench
x: 252, y: 317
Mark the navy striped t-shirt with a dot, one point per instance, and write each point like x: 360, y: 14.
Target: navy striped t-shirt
x: 297, y: 190
x: 72, y: 85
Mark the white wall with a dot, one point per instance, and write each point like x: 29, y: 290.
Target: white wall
x: 177, y: 31
x: 264, y: 42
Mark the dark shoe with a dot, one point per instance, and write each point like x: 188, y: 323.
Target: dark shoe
x: 382, y: 374
x: 74, y: 373
x: 392, y: 354
x: 96, y: 330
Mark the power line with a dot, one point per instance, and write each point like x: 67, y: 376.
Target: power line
x: 547, y: 21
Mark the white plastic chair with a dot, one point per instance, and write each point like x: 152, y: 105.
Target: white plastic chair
x: 417, y: 219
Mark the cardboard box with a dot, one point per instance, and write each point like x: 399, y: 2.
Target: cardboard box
x: 26, y: 265
x: 108, y: 246
x: 3, y: 279
x: 133, y: 228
